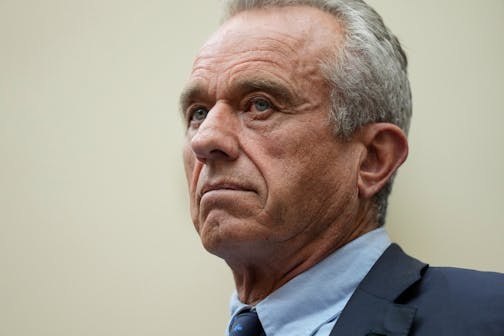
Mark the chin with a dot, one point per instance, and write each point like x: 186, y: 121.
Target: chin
x: 225, y: 237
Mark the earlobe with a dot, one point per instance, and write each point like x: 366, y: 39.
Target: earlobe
x: 386, y: 149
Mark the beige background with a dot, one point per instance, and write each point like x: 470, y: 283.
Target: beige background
x: 95, y: 237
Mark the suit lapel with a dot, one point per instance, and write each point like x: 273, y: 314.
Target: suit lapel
x: 372, y: 309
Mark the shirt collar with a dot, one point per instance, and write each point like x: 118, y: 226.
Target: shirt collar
x: 318, y: 295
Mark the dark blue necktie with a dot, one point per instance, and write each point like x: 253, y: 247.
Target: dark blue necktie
x: 246, y: 323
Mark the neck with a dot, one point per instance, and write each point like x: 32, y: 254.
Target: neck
x: 255, y: 280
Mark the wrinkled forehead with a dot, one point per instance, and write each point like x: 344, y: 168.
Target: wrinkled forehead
x: 294, y: 29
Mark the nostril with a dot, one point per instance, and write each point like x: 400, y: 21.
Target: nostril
x: 219, y: 153
x: 211, y: 152
x: 214, y: 154
x: 201, y: 159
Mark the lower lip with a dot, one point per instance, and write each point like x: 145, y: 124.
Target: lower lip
x: 224, y: 192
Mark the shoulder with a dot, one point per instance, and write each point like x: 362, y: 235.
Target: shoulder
x: 458, y: 284
x: 461, y: 278
x: 403, y: 293
x: 470, y: 302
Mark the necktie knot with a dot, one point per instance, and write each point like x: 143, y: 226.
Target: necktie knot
x: 246, y: 323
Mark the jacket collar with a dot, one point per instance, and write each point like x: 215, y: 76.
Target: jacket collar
x: 374, y: 308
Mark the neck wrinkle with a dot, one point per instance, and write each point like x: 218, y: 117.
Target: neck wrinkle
x: 254, y: 282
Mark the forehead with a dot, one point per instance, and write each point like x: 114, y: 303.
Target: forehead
x: 293, y: 26
x: 271, y: 41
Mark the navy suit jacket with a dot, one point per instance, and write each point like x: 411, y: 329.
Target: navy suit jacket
x: 403, y: 296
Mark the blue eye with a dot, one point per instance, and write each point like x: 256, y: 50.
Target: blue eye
x: 261, y: 105
x: 199, y: 114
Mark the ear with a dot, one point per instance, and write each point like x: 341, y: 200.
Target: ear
x: 386, y: 149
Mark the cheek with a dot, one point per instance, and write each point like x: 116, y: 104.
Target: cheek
x: 189, y: 159
x: 192, y: 169
x: 284, y: 165
x: 190, y: 173
x: 306, y: 173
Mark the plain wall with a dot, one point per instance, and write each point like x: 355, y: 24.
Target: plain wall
x: 95, y: 236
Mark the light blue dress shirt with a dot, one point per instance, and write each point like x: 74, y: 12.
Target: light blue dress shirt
x: 310, y: 303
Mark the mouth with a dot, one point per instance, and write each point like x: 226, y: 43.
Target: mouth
x: 223, y: 187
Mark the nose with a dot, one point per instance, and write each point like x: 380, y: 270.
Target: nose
x: 216, y: 137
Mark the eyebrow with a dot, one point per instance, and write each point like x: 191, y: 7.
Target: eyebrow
x: 274, y: 88
x: 196, y: 92
x: 191, y: 93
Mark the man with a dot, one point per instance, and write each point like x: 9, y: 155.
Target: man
x: 297, y: 114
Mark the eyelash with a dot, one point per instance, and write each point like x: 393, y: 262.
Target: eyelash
x: 192, y: 110
x: 260, y: 115
x: 248, y: 106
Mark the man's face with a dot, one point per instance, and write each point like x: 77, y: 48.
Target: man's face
x: 265, y: 171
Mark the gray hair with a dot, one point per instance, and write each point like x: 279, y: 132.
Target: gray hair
x: 368, y: 74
